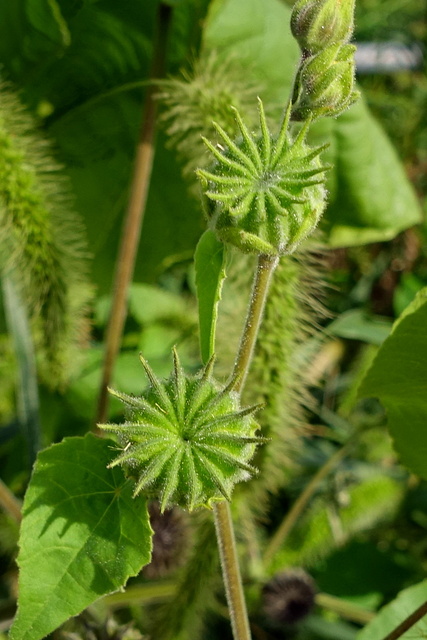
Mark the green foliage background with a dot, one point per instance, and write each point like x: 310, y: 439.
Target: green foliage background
x: 80, y: 70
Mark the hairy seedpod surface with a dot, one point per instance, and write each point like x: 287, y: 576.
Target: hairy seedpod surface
x: 187, y: 441
x: 268, y: 191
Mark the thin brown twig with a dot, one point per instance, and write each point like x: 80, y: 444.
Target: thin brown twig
x: 135, y: 214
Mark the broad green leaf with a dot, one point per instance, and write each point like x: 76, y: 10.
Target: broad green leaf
x: 398, y: 377
x: 371, y: 199
x: 406, y: 291
x: 100, y: 167
x: 419, y: 300
x: 357, y: 325
x: 257, y: 35
x: 394, y: 613
x: 82, y: 536
x: 210, y: 274
x: 148, y: 304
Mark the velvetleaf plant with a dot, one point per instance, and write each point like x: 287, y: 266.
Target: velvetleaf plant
x: 267, y: 194
x: 187, y: 440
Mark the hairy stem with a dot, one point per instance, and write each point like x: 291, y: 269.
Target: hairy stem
x: 408, y: 623
x: 300, y: 504
x: 265, y: 268
x: 10, y: 503
x: 231, y: 571
x: 135, y: 214
x: 223, y: 520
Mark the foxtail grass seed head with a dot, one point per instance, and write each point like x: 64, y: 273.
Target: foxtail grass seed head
x: 42, y: 241
x: 268, y: 193
x: 288, y: 597
x: 325, y: 83
x: 203, y: 95
x: 186, y: 441
x: 316, y: 24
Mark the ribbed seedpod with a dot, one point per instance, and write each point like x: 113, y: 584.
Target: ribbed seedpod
x: 269, y: 192
x: 187, y: 441
x: 288, y: 597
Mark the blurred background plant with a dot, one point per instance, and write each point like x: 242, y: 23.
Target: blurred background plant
x: 331, y: 496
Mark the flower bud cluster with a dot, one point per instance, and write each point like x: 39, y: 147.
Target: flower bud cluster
x: 316, y: 24
x: 324, y: 85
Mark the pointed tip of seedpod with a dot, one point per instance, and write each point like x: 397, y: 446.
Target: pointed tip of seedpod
x: 149, y: 371
x: 206, y: 371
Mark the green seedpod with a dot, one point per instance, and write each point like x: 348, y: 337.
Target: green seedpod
x: 268, y: 192
x: 325, y: 83
x: 316, y: 24
x: 186, y: 441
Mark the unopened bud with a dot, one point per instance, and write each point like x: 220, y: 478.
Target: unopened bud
x: 325, y: 83
x: 316, y: 24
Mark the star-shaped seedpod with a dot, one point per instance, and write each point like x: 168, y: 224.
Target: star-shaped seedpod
x: 187, y: 441
x: 269, y: 192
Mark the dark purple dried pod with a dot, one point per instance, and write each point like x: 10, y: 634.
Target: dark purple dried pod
x: 170, y: 541
x: 288, y: 597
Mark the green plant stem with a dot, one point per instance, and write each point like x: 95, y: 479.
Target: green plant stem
x: 408, y: 623
x: 265, y: 268
x: 141, y: 594
x: 223, y: 519
x: 344, y: 609
x: 300, y: 504
x: 231, y: 571
x: 10, y: 503
x: 135, y: 214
